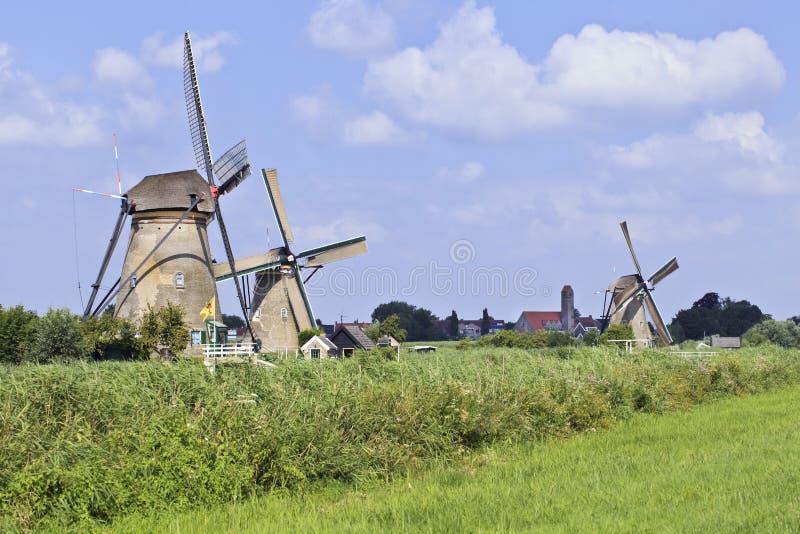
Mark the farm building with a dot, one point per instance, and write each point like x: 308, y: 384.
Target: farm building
x: 531, y: 321
x: 731, y: 343
x: 584, y: 324
x: 389, y: 341
x: 349, y: 338
x: 318, y: 347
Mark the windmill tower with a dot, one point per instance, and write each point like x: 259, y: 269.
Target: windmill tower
x: 631, y: 294
x: 179, y: 270
x: 279, y: 304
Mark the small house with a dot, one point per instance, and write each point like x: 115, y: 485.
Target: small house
x: 318, y: 347
x: 389, y: 341
x: 722, y: 342
x: 349, y: 338
x: 584, y: 324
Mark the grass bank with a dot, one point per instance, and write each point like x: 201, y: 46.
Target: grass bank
x: 83, y: 445
x: 730, y: 466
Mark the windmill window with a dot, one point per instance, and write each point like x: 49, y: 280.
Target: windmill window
x: 284, y: 313
x: 315, y: 354
x: 179, y: 280
x: 257, y: 315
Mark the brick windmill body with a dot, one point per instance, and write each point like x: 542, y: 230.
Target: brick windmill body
x: 180, y: 270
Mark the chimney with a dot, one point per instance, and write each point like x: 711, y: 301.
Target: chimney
x: 567, y: 308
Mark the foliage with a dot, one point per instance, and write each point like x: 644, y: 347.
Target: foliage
x: 86, y: 444
x: 453, y: 325
x: 486, y: 324
x: 591, y: 338
x: 617, y: 331
x: 711, y: 315
x: 304, y: 335
x: 373, y: 331
x: 58, y: 338
x: 163, y: 331
x: 391, y: 327
x: 417, y: 322
x: 17, y: 329
x: 526, y: 340
x: 669, y: 456
x: 233, y: 321
x: 107, y: 337
x: 782, y: 333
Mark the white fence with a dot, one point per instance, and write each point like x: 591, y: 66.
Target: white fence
x: 220, y: 350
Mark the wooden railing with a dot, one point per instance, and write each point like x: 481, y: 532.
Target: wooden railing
x: 222, y: 350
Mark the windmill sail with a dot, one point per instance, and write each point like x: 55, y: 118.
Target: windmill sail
x: 342, y: 250
x: 197, y: 120
x: 232, y: 167
x: 271, y: 182
x: 624, y: 226
x: 655, y: 315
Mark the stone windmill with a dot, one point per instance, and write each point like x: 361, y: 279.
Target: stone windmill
x: 631, y: 294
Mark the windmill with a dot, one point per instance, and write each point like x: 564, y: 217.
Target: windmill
x: 631, y: 294
x: 279, y: 303
x: 230, y: 170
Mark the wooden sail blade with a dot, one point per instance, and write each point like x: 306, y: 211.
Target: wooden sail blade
x: 273, y: 189
x: 342, y: 250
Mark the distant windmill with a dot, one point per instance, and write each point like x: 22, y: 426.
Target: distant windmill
x: 630, y: 294
x: 279, y: 305
x: 230, y: 170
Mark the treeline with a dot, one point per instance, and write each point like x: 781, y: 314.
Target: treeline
x: 711, y: 315
x: 60, y: 336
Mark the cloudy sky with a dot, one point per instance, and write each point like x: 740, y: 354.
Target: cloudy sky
x: 487, y: 150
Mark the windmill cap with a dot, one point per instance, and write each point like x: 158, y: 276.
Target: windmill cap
x: 171, y: 190
x: 566, y: 289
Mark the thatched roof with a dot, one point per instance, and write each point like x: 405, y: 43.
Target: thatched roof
x: 171, y: 191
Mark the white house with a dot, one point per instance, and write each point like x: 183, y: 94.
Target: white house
x: 318, y: 347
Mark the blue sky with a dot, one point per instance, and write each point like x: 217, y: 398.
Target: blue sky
x: 487, y: 150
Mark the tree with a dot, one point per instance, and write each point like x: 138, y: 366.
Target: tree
x: 58, y: 338
x: 453, y: 325
x: 591, y: 338
x: 737, y: 317
x: 783, y: 333
x: 617, y: 331
x: 304, y: 335
x: 577, y: 314
x: 796, y: 319
x: 163, y: 331
x: 106, y: 337
x: 17, y: 329
x: 417, y: 322
x: 697, y: 322
x: 486, y: 323
x: 709, y: 301
x: 391, y: 327
x: 233, y: 321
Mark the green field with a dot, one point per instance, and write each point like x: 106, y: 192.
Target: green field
x: 731, y: 466
x: 83, y: 446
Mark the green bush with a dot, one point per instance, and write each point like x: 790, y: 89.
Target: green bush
x: 617, y: 331
x: 783, y: 333
x: 85, y: 444
x: 106, y: 337
x: 163, y: 331
x: 304, y: 335
x: 58, y: 338
x: 591, y: 338
x: 17, y: 330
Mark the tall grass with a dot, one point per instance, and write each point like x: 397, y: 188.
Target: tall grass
x: 84, y: 444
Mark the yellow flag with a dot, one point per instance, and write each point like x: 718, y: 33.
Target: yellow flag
x: 209, y: 310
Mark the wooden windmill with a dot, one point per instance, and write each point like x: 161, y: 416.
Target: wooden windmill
x: 631, y: 294
x: 279, y: 304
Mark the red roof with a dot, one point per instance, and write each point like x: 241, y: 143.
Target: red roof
x: 539, y: 319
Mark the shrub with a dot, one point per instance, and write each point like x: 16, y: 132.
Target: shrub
x: 106, y: 337
x: 617, y: 331
x: 591, y: 338
x: 163, y: 331
x: 17, y: 329
x: 304, y: 335
x: 58, y: 338
x: 783, y: 333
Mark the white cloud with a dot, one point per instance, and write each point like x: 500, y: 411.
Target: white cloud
x: 373, y: 129
x: 470, y: 171
x: 468, y: 80
x: 351, y: 27
x: 205, y: 49
x: 731, y: 149
x: 318, y: 113
x: 30, y: 115
x: 338, y: 229
x: 118, y: 68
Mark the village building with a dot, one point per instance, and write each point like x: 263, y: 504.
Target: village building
x: 584, y: 324
x: 729, y: 343
x: 389, y: 341
x: 319, y: 347
x: 531, y: 321
x: 349, y: 338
